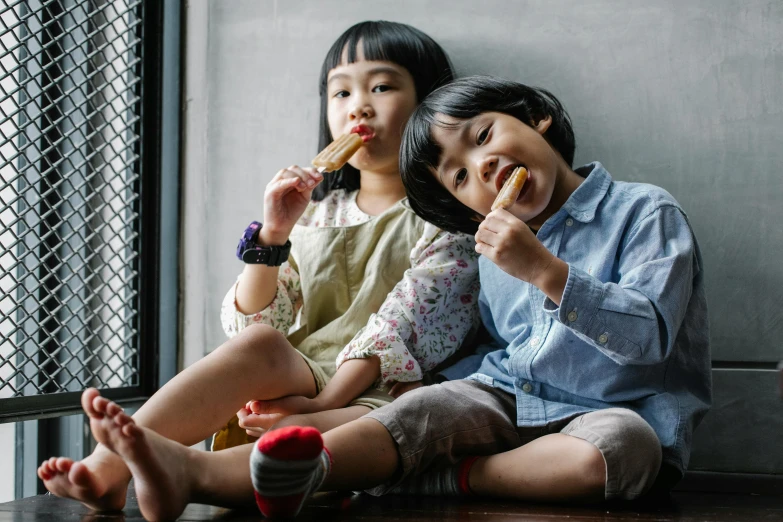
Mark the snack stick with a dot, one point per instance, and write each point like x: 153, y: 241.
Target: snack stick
x: 510, y: 191
x: 337, y: 153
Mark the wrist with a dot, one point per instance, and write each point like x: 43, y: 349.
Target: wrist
x: 270, y: 237
x: 552, y: 279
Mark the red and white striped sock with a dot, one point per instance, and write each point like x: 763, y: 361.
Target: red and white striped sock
x: 287, y: 466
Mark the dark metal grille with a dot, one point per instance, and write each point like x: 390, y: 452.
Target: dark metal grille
x: 70, y: 149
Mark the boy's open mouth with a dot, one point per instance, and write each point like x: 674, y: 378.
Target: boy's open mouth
x: 506, y: 174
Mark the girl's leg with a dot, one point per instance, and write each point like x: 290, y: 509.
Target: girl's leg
x: 324, y: 421
x: 259, y: 363
x: 169, y: 475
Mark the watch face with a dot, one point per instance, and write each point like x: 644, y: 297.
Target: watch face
x: 252, y: 230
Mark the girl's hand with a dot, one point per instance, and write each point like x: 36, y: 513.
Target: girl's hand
x: 402, y: 387
x: 258, y: 416
x: 512, y: 246
x: 285, y: 199
x: 251, y: 425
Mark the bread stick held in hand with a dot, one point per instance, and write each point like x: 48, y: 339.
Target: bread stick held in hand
x: 337, y: 153
x: 511, y: 189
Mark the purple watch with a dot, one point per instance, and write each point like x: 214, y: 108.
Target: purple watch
x: 250, y: 252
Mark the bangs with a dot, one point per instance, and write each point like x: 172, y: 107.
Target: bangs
x: 419, y: 151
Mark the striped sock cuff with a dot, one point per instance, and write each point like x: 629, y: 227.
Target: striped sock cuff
x: 273, y: 477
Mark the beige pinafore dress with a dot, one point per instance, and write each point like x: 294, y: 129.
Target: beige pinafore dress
x: 345, y: 275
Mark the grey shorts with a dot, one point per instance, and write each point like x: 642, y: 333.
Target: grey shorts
x: 437, y: 425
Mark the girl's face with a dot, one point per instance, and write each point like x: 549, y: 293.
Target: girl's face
x: 375, y: 99
x: 479, y: 155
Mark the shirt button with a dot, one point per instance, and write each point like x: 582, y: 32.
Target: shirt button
x: 527, y: 387
x: 603, y: 338
x: 535, y: 341
x: 572, y: 316
x: 569, y: 222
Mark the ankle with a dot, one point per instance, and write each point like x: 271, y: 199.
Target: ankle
x: 463, y: 475
x: 108, y: 465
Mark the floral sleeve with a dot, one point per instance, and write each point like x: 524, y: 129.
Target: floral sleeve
x: 428, y: 314
x: 281, y: 312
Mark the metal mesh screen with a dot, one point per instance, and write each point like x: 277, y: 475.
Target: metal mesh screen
x: 70, y: 111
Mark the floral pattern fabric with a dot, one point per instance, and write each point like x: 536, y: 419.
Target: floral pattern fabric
x: 423, y: 320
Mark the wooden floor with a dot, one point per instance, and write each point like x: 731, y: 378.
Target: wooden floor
x: 680, y: 506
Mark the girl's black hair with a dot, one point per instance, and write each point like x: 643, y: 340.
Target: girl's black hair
x: 464, y: 99
x: 393, y: 42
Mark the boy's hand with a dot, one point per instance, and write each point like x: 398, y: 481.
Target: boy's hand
x: 512, y: 246
x: 402, y: 387
x: 285, y: 199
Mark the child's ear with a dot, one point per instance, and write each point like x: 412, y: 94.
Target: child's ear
x: 543, y: 124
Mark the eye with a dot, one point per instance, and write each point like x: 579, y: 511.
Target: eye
x: 381, y: 88
x: 481, y: 138
x: 460, y: 177
x: 341, y: 94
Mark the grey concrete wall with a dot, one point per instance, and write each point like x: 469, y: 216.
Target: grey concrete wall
x: 685, y: 95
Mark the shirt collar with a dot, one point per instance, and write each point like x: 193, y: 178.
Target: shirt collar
x: 584, y: 201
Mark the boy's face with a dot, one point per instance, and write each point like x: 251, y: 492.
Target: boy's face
x: 479, y: 155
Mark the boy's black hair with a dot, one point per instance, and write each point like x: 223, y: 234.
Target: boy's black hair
x: 393, y: 42
x: 464, y: 99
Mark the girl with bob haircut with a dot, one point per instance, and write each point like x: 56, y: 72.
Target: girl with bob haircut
x: 370, y: 298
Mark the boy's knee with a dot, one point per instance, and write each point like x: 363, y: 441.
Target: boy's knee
x: 629, y: 447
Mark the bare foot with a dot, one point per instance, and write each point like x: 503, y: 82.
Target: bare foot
x: 157, y: 464
x: 100, y: 481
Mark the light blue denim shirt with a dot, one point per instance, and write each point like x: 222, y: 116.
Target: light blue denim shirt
x: 631, y: 330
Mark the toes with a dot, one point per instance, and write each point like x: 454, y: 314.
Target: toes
x: 112, y: 409
x: 88, y: 396
x: 80, y: 475
x: 122, y: 418
x: 132, y: 430
x: 63, y: 464
x: 43, y: 471
x: 99, y: 405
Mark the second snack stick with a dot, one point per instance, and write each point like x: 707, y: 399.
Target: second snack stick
x: 510, y: 191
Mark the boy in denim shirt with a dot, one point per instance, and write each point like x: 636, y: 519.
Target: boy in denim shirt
x: 592, y: 291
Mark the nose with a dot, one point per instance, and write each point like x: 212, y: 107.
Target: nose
x: 485, y: 165
x: 361, y: 108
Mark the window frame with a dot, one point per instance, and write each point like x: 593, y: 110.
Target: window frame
x: 52, y: 424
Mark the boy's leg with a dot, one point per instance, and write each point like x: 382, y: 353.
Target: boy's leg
x: 259, y: 363
x: 424, y: 427
x: 601, y: 455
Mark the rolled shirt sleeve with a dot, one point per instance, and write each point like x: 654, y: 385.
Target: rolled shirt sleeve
x: 636, y: 320
x: 428, y: 314
x: 281, y: 312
